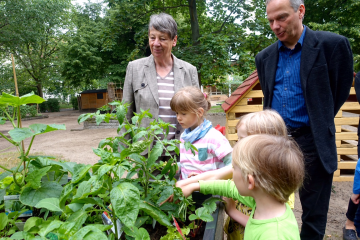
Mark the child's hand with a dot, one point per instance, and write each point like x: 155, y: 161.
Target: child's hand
x: 190, y: 188
x: 355, y: 198
x: 192, y: 174
x: 230, y: 204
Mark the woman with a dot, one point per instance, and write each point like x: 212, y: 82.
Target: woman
x: 151, y: 82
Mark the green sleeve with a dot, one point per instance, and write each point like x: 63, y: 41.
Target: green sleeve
x: 225, y: 188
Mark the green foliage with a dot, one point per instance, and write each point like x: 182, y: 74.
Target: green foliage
x: 74, y: 103
x: 51, y: 105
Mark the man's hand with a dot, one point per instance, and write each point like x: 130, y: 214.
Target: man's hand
x: 355, y: 198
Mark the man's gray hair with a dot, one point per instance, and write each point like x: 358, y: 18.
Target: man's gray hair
x: 295, y: 4
x: 163, y: 23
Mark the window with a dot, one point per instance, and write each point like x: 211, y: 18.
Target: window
x: 100, y: 96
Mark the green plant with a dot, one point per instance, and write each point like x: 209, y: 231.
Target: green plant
x: 53, y: 105
x: 74, y: 103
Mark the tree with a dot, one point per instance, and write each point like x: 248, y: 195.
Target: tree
x: 338, y: 16
x: 32, y: 30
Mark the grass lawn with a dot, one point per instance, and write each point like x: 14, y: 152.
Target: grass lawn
x: 65, y: 105
x: 216, y: 109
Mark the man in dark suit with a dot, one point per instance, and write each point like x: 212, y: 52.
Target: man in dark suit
x: 306, y: 76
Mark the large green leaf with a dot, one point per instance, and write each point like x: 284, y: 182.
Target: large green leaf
x: 17, y: 101
x: 91, y: 232
x: 19, y: 134
x: 49, y: 226
x: 31, y: 197
x: 84, y: 117
x: 204, y: 214
x: 80, y: 172
x: 142, y: 234
x: 51, y: 204
x: 154, y: 154
x: 31, y: 223
x: 165, y: 194
x: 155, y: 213
x: 84, y: 187
x: 67, y: 190
x: 125, y: 199
x: 3, y: 220
x: 120, y: 113
x: 103, y: 169
x: 33, y: 179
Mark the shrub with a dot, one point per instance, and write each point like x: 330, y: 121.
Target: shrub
x: 43, y: 106
x: 53, y: 105
x: 74, y: 103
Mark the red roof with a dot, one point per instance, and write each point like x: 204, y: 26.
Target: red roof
x: 240, y: 91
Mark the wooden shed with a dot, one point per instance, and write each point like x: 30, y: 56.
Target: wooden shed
x: 91, y: 99
x: 248, y: 97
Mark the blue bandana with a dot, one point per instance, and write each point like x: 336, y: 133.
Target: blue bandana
x: 198, y: 133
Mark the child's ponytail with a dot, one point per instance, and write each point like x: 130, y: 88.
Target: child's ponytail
x: 190, y: 99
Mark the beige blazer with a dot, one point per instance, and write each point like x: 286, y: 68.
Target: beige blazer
x: 141, y: 89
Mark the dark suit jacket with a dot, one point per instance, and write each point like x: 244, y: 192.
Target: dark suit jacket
x: 326, y: 72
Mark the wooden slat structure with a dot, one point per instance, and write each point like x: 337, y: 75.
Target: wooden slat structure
x: 248, y: 98
x: 91, y: 99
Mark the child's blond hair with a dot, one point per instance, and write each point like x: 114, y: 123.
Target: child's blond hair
x: 263, y: 122
x: 275, y: 162
x: 190, y: 99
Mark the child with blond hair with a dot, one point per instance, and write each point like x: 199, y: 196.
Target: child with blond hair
x: 263, y: 122
x: 266, y: 170
x: 214, y: 150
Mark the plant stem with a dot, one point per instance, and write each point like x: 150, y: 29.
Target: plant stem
x: 11, y: 119
x: 6, y: 169
x: 27, y: 152
x: 8, y: 139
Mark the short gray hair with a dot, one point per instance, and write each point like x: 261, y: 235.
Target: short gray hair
x: 295, y: 4
x: 163, y: 23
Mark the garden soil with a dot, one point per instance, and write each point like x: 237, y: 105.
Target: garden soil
x: 75, y: 144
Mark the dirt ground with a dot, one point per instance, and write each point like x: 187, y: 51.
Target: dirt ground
x: 76, y: 146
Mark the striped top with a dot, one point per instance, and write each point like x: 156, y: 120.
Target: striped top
x: 166, y: 91
x: 212, y: 149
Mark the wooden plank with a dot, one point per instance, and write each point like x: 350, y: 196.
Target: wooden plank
x: 337, y: 173
x: 347, y: 151
x: 346, y: 121
x: 243, y: 102
x: 231, y: 115
x: 254, y: 94
x: 339, y: 158
x: 347, y: 165
x: 344, y: 178
x: 346, y: 136
x: 338, y: 143
x: 350, y: 106
x: 338, y: 128
x: 232, y: 137
x: 232, y: 130
x: 339, y: 114
x: 352, y: 91
x: 247, y: 109
x: 232, y: 123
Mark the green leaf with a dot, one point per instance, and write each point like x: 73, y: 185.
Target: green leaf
x: 125, y: 199
x: 51, y: 204
x: 3, y: 220
x: 17, y: 101
x: 84, y: 117
x: 80, y: 172
x: 97, y: 234
x: 40, y: 128
x: 193, y: 217
x: 19, y: 134
x: 120, y: 113
x: 119, y: 171
x: 49, y: 226
x: 33, y: 179
x: 67, y: 190
x: 140, y: 221
x: 18, y: 235
x: 31, y: 223
x: 165, y: 194
x: 203, y: 214
x: 139, y: 135
x: 142, y: 234
x: 2, y: 120
x: 99, y: 119
x: 103, y: 170
x: 84, y: 188
x: 155, y: 213
x: 31, y: 197
x: 167, y: 166
x: 154, y: 154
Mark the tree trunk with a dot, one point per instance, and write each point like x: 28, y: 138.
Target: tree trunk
x: 195, y: 32
x: 39, y: 88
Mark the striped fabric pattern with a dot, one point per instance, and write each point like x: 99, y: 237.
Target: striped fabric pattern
x: 214, y: 144
x: 166, y: 92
